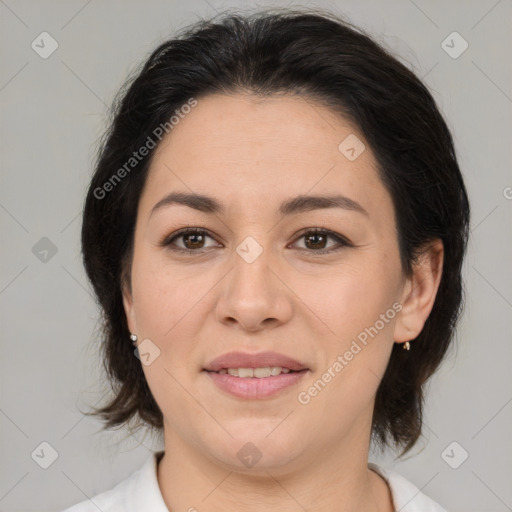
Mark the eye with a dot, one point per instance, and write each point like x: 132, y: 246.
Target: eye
x: 316, y: 238
x: 193, y: 240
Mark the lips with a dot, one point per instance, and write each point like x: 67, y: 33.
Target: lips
x: 260, y: 360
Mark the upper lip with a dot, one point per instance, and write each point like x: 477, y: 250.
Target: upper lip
x: 260, y: 360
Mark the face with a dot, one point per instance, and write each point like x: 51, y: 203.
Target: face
x: 320, y: 285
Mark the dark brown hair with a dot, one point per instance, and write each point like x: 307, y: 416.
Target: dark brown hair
x: 322, y: 57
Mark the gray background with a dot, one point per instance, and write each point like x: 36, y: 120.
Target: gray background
x: 53, y: 111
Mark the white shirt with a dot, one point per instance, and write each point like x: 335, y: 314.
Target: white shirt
x: 140, y: 493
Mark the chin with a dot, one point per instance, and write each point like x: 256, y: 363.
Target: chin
x: 253, y: 449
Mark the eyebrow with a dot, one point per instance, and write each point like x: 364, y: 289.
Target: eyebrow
x: 291, y: 206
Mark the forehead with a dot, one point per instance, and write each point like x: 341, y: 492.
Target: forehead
x: 245, y: 148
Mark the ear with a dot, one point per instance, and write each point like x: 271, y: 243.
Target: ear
x: 129, y: 308
x: 420, y: 292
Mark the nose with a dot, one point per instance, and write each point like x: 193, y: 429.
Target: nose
x: 254, y: 295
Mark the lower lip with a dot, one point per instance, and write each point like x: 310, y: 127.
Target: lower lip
x: 254, y: 388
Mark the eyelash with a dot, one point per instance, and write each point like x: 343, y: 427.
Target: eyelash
x: 168, y: 240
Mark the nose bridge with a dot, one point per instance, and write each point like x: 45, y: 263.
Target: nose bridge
x: 252, y: 268
x: 253, y: 293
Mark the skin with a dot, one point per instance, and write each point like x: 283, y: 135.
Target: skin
x: 252, y: 154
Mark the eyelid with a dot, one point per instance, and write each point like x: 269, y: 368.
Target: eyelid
x: 342, y: 240
x: 333, y: 234
x: 167, y: 239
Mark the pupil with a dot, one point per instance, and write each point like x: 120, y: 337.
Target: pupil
x: 316, y: 236
x: 194, y: 235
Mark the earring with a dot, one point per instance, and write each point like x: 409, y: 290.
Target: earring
x: 133, y: 337
x: 407, y: 346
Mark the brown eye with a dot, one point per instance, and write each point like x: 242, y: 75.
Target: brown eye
x: 193, y: 240
x: 316, y: 240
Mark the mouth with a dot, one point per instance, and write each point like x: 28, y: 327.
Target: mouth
x: 255, y: 376
x: 251, y: 387
x: 262, y: 364
x: 256, y: 373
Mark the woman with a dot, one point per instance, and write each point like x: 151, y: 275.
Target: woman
x: 277, y: 221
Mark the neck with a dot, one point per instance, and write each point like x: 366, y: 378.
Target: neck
x: 335, y: 480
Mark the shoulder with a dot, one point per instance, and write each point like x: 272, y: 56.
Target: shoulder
x: 406, y: 496
x: 108, y: 501
x: 140, y: 488
x: 112, y: 500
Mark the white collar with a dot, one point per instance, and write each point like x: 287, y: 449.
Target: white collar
x: 141, y: 491
x: 406, y: 496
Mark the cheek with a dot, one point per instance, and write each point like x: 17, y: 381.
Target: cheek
x: 171, y: 307
x: 169, y: 312
x: 354, y: 297
x: 162, y: 295
x: 358, y: 307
